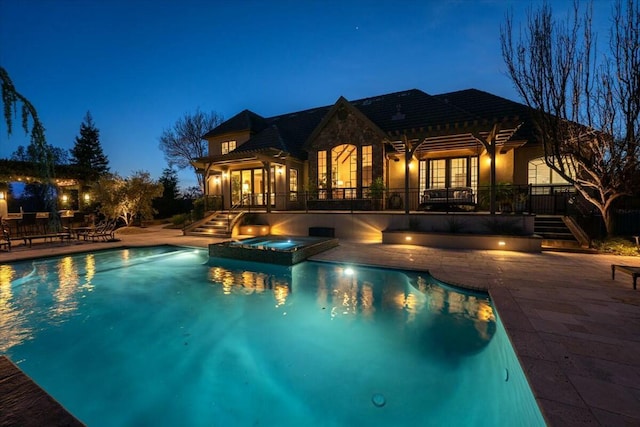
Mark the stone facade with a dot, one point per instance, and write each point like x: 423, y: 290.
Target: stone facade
x: 346, y: 127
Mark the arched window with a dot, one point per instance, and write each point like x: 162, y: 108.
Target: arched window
x: 541, y: 174
x: 344, y: 170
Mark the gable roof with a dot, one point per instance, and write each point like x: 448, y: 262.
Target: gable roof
x: 244, y: 120
x: 391, y: 113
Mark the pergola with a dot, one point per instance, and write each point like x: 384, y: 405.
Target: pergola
x: 491, y: 135
x: 67, y: 180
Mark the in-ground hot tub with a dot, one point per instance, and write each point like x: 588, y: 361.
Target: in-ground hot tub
x: 279, y: 250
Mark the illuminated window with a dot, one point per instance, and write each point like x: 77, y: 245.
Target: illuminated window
x: 453, y: 172
x: 458, y: 170
x: 437, y: 173
x: 322, y: 169
x: 541, y: 174
x: 344, y: 168
x: 367, y: 173
x: 293, y: 184
x: 228, y: 146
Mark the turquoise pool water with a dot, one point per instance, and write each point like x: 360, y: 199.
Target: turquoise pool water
x: 165, y: 336
x: 267, y: 243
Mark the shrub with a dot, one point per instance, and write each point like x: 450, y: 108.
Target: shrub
x: 617, y: 246
x: 179, y: 219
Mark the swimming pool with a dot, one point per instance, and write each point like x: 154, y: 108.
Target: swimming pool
x: 164, y: 336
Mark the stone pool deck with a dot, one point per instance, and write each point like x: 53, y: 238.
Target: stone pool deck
x: 575, y: 330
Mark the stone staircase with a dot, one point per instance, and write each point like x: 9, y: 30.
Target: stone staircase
x: 555, y: 233
x: 218, y: 225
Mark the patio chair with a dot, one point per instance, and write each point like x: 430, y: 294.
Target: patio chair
x: 104, y: 231
x: 5, y: 237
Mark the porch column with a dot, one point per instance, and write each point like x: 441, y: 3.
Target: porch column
x: 407, y: 160
x: 409, y: 149
x: 267, y: 166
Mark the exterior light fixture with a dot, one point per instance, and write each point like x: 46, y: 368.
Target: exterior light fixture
x: 2, y: 195
x: 408, y: 238
x: 87, y: 197
x: 216, y: 179
x: 280, y: 170
x: 502, y: 243
x: 65, y: 198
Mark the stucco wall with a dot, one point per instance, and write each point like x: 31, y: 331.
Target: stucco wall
x: 214, y: 143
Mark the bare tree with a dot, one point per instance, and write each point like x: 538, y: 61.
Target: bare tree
x: 183, y: 143
x: 585, y: 109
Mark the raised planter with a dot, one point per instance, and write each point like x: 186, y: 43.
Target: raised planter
x: 464, y: 241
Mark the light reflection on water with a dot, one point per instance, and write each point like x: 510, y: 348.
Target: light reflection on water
x: 457, y: 323
x: 344, y: 291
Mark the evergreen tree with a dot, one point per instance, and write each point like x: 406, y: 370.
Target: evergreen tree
x: 170, y: 202
x: 87, y: 152
x: 169, y: 181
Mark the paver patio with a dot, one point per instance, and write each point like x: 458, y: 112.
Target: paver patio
x: 575, y: 330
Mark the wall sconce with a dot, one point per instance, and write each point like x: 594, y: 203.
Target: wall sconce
x: 65, y: 198
x: 408, y: 238
x: 216, y: 179
x: 87, y: 197
x: 2, y: 195
x: 280, y: 170
x: 224, y: 175
x: 502, y: 243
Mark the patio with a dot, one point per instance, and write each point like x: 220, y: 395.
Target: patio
x: 575, y: 330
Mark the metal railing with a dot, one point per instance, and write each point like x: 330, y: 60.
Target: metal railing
x: 535, y: 199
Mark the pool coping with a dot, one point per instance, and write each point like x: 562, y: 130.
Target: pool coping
x: 25, y: 403
x: 573, y: 328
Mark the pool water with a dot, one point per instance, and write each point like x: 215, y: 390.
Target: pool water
x: 265, y: 243
x: 166, y: 336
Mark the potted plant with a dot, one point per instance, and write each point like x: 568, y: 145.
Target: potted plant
x: 504, y: 196
x: 376, y: 192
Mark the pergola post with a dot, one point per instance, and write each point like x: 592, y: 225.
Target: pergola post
x: 267, y: 166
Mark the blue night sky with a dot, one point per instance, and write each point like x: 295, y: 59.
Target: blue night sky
x: 139, y: 65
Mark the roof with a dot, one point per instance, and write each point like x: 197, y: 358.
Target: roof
x: 394, y: 112
x: 482, y: 104
x: 244, y: 120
